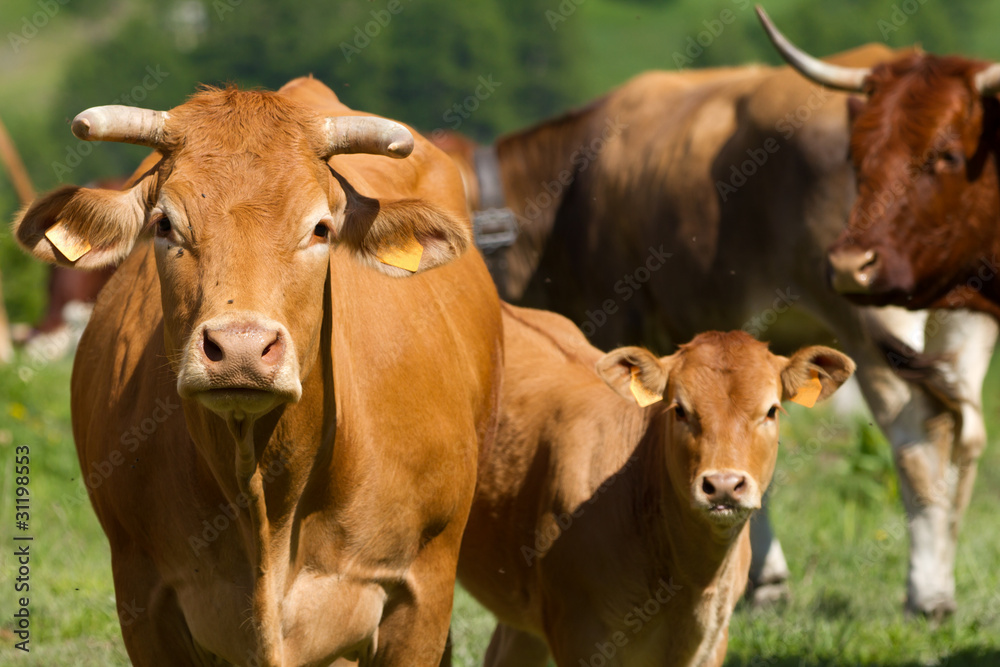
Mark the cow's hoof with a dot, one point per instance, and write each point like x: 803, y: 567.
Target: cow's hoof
x: 935, y: 612
x: 767, y: 596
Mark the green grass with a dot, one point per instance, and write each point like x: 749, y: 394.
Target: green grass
x: 837, y: 511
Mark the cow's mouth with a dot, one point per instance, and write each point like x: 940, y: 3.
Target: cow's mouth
x: 727, y: 514
x: 239, y: 402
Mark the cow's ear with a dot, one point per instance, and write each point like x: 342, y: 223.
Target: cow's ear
x: 400, y: 237
x: 83, y: 228
x: 813, y: 373
x: 635, y: 373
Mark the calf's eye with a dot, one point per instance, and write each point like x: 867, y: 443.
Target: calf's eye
x: 321, y: 231
x: 679, y: 412
x: 773, y: 412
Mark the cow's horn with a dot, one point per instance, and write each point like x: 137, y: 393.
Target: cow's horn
x: 851, y: 79
x: 367, y: 134
x: 115, y: 122
x: 988, y: 80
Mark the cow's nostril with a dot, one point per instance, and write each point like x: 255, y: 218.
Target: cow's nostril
x: 740, y: 484
x: 268, y: 348
x: 707, y: 487
x: 212, y: 350
x: 870, y: 259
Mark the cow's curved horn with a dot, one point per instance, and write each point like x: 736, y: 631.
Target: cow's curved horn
x: 988, y: 80
x: 367, y: 134
x: 850, y: 79
x: 129, y: 125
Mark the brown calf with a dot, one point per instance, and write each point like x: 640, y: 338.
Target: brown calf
x: 605, y: 532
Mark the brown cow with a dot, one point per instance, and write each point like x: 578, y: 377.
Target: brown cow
x: 924, y: 144
x: 922, y: 233
x: 280, y: 422
x: 613, y: 530
x: 706, y: 199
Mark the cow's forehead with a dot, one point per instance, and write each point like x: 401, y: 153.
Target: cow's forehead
x: 729, y: 370
x: 917, y: 105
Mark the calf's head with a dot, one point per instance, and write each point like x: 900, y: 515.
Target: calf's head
x: 721, y: 394
x: 243, y: 210
x: 924, y: 149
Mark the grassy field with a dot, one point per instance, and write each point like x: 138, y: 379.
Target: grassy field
x: 838, y: 514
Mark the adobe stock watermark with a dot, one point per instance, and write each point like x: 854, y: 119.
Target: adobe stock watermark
x: 462, y: 111
x: 626, y: 288
x: 563, y: 11
x: 900, y: 14
x: 694, y: 46
x: 760, y: 323
x: 364, y: 34
x: 788, y: 125
x: 581, y: 160
x: 605, y: 652
x: 228, y: 512
x: 30, y: 25
x: 552, y: 525
x: 75, y: 153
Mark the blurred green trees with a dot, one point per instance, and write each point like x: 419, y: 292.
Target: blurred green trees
x: 483, y: 67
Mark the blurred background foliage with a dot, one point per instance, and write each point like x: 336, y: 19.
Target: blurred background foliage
x: 420, y: 61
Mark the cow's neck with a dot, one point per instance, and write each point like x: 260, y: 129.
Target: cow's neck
x: 537, y: 169
x: 681, y: 543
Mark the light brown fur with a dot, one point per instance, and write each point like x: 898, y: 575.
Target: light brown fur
x: 337, y: 533
x: 584, y: 510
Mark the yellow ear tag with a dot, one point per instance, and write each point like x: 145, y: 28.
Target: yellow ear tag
x: 406, y: 256
x: 809, y: 392
x: 66, y: 242
x: 642, y: 395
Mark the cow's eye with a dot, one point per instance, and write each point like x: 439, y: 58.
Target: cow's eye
x: 679, y: 412
x: 949, y: 161
x: 163, y: 227
x: 773, y: 412
x: 321, y: 231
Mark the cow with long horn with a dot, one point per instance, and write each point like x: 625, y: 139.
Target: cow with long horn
x: 278, y: 402
x: 922, y: 233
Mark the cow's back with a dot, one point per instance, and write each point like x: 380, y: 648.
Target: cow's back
x: 715, y: 170
x: 562, y: 433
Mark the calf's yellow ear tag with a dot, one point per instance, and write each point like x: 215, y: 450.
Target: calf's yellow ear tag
x: 642, y: 395
x: 406, y: 256
x: 809, y: 392
x: 66, y: 242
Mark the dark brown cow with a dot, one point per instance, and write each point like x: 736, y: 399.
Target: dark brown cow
x: 318, y: 396
x: 706, y: 199
x: 924, y: 143
x: 610, y: 519
x: 923, y: 231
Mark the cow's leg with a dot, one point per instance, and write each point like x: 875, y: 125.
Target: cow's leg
x: 924, y: 431
x: 965, y: 341
x: 768, y: 578
x: 415, y: 623
x: 153, y: 626
x: 510, y: 647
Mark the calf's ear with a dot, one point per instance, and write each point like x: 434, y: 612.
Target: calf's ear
x: 813, y: 373
x: 635, y: 373
x: 401, y: 237
x: 83, y: 228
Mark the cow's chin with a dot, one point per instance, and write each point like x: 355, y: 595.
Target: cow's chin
x: 240, y: 403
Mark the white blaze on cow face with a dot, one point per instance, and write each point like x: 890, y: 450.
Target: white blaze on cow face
x: 722, y: 393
